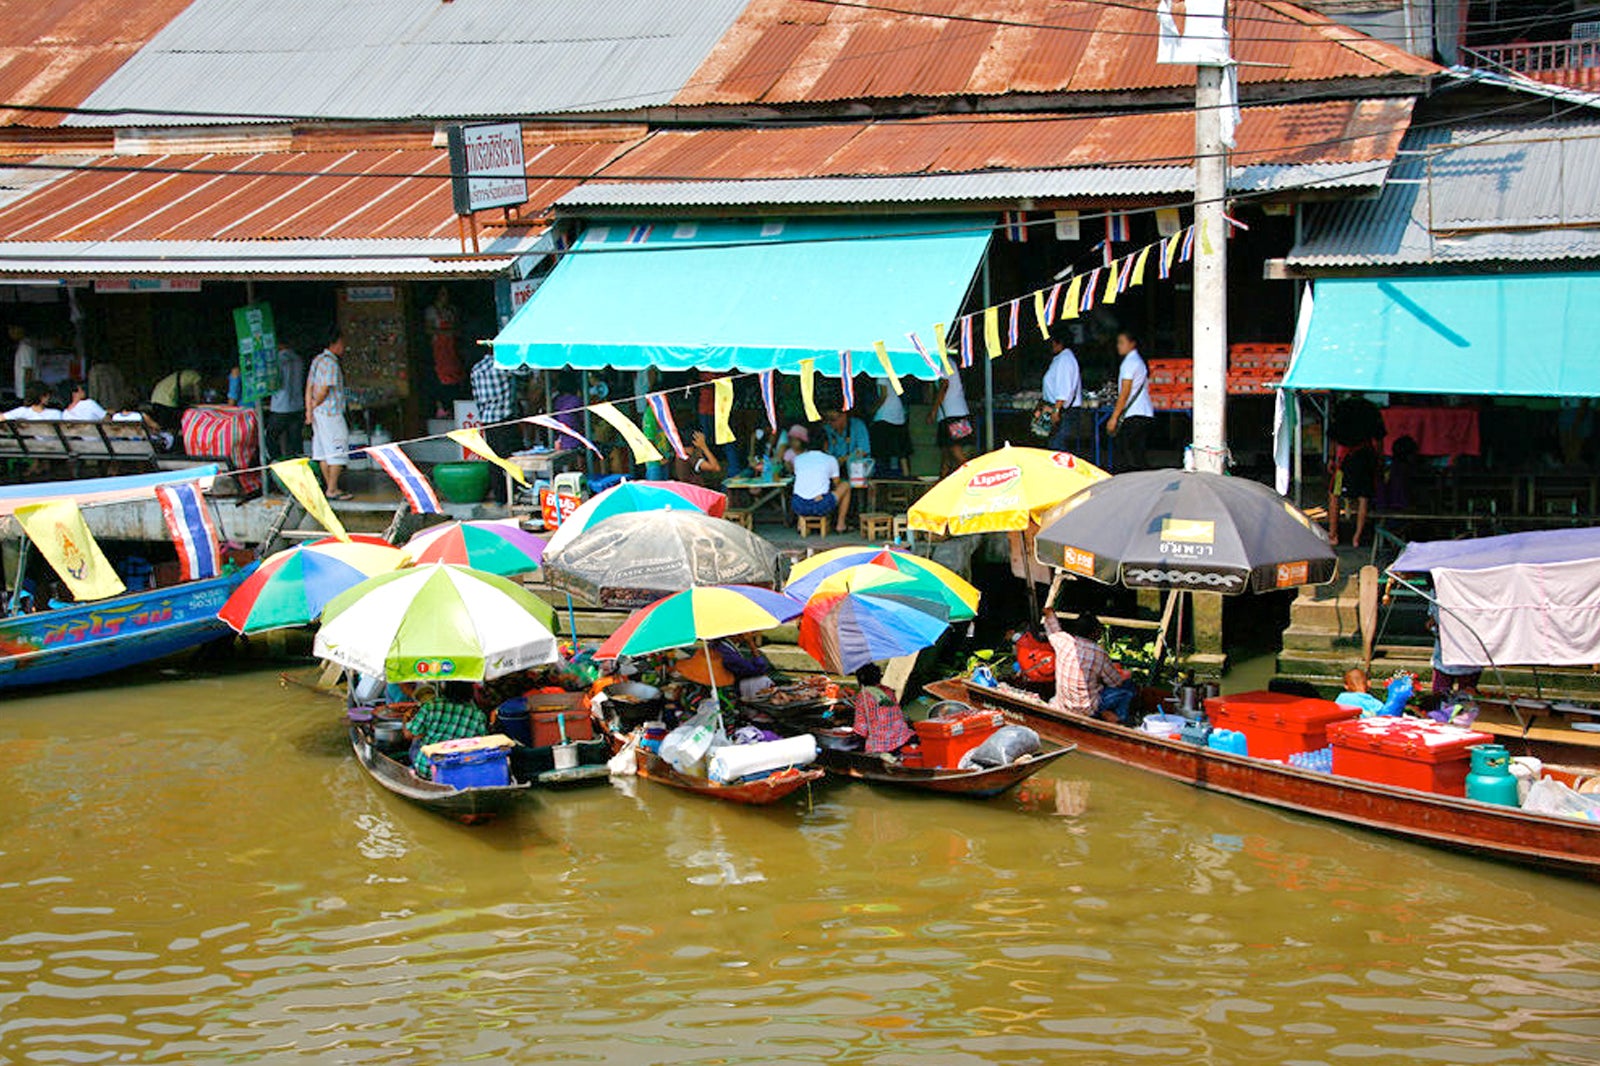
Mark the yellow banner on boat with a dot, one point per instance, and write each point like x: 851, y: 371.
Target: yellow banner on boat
x: 58, y: 530
x: 472, y: 440
x: 301, y: 481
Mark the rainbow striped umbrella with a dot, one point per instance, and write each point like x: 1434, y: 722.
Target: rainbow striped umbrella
x: 868, y: 614
x: 499, y: 546
x: 292, y: 587
x: 699, y: 614
x: 957, y: 593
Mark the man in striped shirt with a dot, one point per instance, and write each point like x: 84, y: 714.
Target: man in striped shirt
x: 330, y: 437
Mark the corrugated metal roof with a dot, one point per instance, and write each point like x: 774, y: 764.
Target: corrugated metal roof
x: 1340, y: 143
x: 415, y: 58
x: 792, y: 51
x: 1517, y: 194
x: 273, y: 196
x: 54, y: 53
x: 289, y: 259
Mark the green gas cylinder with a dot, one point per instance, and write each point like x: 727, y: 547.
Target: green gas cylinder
x: 1491, y: 780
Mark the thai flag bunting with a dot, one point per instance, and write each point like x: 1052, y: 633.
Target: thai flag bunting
x: 1014, y: 324
x: 639, y: 234
x: 847, y: 381
x: 1186, y: 249
x: 555, y: 425
x: 1052, y: 303
x: 916, y: 342
x: 966, y: 341
x: 663, y: 412
x: 1124, y: 273
x: 1119, y: 229
x: 413, y: 483
x: 769, y: 398
x: 1106, y: 255
x: 1164, y: 257
x: 1016, y: 224
x: 1089, y: 290
x: 194, y: 531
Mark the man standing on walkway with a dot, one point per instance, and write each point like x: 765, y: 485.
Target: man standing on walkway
x: 286, y: 408
x: 26, y: 365
x: 1133, y: 416
x: 494, y: 393
x: 330, y: 437
x: 1063, y: 387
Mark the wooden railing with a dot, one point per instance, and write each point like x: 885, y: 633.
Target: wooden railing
x: 1571, y: 63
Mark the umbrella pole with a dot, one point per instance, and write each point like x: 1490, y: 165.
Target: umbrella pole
x: 1027, y: 574
x: 711, y: 673
x: 572, y: 619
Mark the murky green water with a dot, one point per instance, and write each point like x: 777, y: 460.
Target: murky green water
x: 196, y: 871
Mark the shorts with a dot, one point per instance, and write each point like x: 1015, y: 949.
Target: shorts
x: 946, y: 440
x: 890, y: 440
x: 330, y: 439
x: 820, y: 507
x: 1359, y: 474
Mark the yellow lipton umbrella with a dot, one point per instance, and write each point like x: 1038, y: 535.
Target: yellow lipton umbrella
x: 1002, y: 490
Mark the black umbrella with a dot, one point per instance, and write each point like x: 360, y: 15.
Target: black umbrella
x: 1185, y: 530
x: 634, y: 559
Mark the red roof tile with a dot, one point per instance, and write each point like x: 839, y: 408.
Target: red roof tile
x: 796, y: 51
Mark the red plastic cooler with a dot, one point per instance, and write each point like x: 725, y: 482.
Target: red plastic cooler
x: 1405, y: 752
x: 945, y: 740
x: 1276, y: 725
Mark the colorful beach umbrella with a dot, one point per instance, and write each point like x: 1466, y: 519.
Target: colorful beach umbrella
x: 699, y: 614
x: 291, y: 587
x: 807, y: 574
x: 857, y: 617
x: 630, y: 560
x: 634, y: 496
x: 437, y: 623
x: 1002, y: 490
x: 498, y: 546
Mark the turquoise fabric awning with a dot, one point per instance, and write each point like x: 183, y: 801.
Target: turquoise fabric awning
x: 1510, y: 335
x: 748, y: 295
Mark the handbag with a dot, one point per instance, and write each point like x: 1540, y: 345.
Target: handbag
x: 1044, y: 420
x: 959, y: 429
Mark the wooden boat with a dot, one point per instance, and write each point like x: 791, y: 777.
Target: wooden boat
x: 769, y: 789
x: 1505, y: 833
x: 982, y: 784
x: 466, y: 805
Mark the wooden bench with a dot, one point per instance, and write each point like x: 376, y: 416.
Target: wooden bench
x: 742, y: 516
x: 86, y: 442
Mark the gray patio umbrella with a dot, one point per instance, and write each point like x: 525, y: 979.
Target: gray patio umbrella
x: 1186, y: 530
x: 634, y: 559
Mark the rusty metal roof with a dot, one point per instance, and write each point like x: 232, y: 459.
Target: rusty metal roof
x: 800, y: 51
x: 56, y: 52
x: 277, y: 196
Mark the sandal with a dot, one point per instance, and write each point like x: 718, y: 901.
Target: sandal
x: 341, y: 496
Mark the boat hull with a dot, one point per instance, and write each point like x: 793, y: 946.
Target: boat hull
x: 87, y: 640
x: 769, y: 789
x: 1465, y: 825
x: 979, y: 784
x: 467, y: 805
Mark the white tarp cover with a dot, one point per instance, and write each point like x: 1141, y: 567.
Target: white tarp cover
x: 1546, y: 613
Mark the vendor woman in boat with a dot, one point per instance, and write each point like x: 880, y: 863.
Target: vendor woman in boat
x: 449, y: 714
x: 879, y: 718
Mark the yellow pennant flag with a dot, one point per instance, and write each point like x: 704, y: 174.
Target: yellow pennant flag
x: 472, y: 440
x: 722, y: 405
x: 1172, y: 249
x: 643, y: 450
x: 1138, y: 267
x: 301, y: 481
x: 57, y: 529
x: 1110, y: 296
x: 888, y: 367
x: 1073, y: 299
x: 808, y: 389
x: 1040, y: 314
x: 991, y: 331
x: 1205, y: 239
x: 944, y: 348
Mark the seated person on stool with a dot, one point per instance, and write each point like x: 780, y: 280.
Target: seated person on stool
x: 1088, y: 682
x: 818, y: 489
x: 879, y: 719
x: 450, y: 715
x: 846, y: 437
x: 700, y: 466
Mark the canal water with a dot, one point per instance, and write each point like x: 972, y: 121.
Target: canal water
x: 194, y: 870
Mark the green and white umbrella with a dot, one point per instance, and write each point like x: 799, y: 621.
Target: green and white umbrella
x: 437, y: 623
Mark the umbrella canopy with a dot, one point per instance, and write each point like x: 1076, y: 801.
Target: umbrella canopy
x: 500, y: 546
x: 437, y: 623
x: 699, y: 614
x: 868, y: 614
x: 1176, y: 529
x: 291, y: 587
x: 1002, y: 490
x: 912, y: 585
x: 629, y: 560
x: 806, y: 575
x: 631, y: 496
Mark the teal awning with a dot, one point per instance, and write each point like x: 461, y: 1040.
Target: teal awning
x: 1511, y: 335
x: 748, y: 295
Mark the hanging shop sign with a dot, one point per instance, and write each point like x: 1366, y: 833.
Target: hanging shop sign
x: 258, y: 352
x: 486, y: 166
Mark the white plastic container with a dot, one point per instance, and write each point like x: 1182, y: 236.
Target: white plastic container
x: 1163, y: 725
x: 733, y: 761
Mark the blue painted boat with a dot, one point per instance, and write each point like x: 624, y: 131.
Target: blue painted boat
x: 89, y: 639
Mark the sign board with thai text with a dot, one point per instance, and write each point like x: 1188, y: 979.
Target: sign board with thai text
x: 486, y: 166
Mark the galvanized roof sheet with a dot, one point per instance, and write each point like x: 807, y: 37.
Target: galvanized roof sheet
x: 1471, y: 193
x: 413, y: 58
x: 792, y: 51
x: 289, y: 259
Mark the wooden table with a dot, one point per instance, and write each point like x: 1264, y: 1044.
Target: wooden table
x: 888, y: 491
x: 760, y: 492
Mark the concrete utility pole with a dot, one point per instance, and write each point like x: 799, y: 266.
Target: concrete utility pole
x: 1210, y: 273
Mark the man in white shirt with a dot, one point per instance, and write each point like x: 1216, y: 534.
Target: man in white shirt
x: 819, y: 491
x: 26, y: 365
x: 955, y: 421
x: 330, y: 437
x: 1063, y: 387
x: 83, y: 409
x: 1131, y: 419
x: 891, y: 440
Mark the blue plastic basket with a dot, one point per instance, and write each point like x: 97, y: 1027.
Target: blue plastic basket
x: 472, y: 769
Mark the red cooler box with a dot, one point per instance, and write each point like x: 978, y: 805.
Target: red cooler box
x: 1277, y: 726
x: 1405, y: 752
x: 945, y: 740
